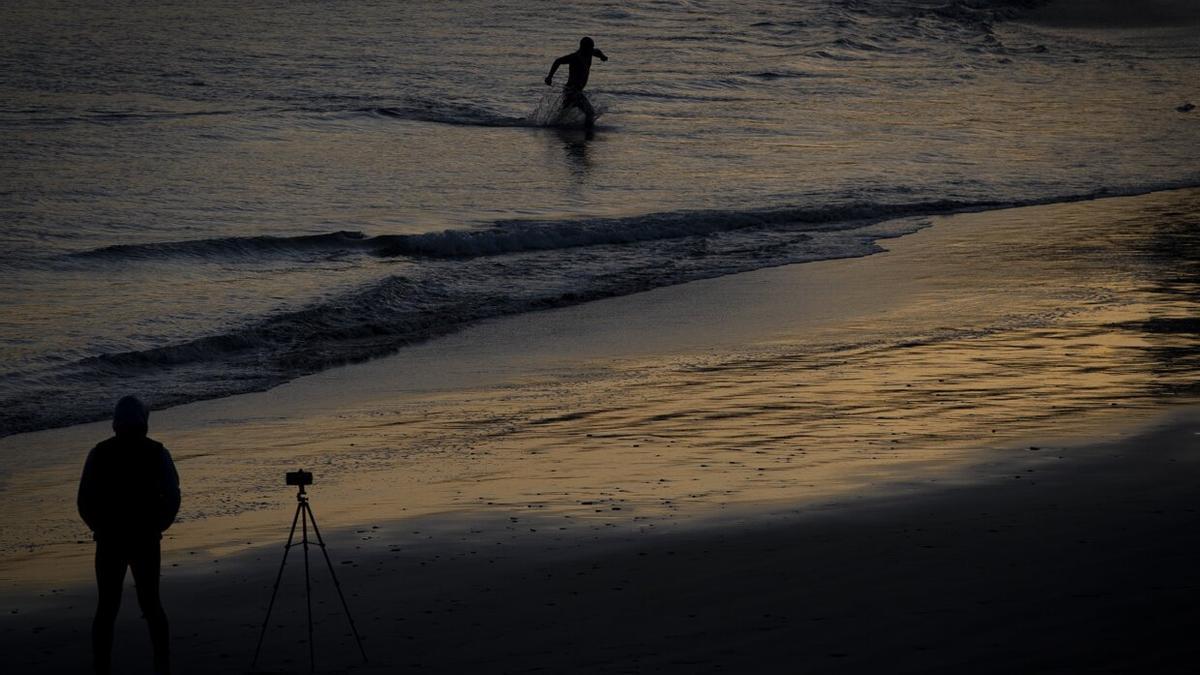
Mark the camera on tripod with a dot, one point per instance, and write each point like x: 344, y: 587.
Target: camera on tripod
x: 305, y: 518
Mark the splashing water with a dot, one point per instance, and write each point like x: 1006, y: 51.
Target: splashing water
x: 549, y: 111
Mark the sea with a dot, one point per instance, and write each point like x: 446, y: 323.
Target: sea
x: 199, y: 200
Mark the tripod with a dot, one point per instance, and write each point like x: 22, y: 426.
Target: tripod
x: 304, y: 515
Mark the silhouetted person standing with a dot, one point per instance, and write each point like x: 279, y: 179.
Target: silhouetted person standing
x: 128, y: 495
x: 580, y: 63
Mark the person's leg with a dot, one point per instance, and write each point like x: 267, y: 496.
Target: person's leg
x: 144, y: 562
x: 588, y: 111
x: 110, y: 577
x: 568, y: 102
x: 576, y: 99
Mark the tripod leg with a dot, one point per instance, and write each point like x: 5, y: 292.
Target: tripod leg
x: 312, y: 659
x: 274, y: 592
x: 338, y: 586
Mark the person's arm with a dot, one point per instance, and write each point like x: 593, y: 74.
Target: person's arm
x: 87, y: 501
x: 597, y: 52
x: 554, y: 68
x: 170, y: 492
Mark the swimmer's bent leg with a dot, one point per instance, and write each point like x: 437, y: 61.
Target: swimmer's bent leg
x: 576, y: 99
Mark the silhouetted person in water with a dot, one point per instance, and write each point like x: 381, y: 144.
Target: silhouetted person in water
x: 128, y: 495
x: 580, y: 63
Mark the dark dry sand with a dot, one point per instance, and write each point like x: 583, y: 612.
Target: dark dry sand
x: 1086, y: 564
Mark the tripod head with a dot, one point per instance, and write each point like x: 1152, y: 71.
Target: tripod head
x: 300, y: 478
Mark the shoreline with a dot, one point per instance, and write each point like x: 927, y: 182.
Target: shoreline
x: 792, y: 371
x: 871, y: 231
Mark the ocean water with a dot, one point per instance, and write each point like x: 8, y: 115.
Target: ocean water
x: 206, y: 199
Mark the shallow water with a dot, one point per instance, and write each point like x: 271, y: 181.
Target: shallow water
x: 362, y: 175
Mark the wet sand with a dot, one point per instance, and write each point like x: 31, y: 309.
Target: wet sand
x: 818, y: 467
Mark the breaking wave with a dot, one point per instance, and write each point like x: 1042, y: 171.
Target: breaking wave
x: 518, y: 236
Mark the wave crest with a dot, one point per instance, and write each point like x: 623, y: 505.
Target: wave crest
x: 516, y: 236
x: 519, y: 236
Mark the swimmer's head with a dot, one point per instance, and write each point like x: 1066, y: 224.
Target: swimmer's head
x: 586, y: 45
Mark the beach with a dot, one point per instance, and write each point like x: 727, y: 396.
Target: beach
x: 972, y: 451
x: 846, y: 336
x: 1085, y: 568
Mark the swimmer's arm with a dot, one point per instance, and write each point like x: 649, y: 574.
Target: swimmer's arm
x: 557, y: 62
x: 597, y: 52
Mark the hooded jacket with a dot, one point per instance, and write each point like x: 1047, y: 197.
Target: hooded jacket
x: 129, y: 488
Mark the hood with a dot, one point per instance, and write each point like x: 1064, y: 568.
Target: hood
x: 131, y: 417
